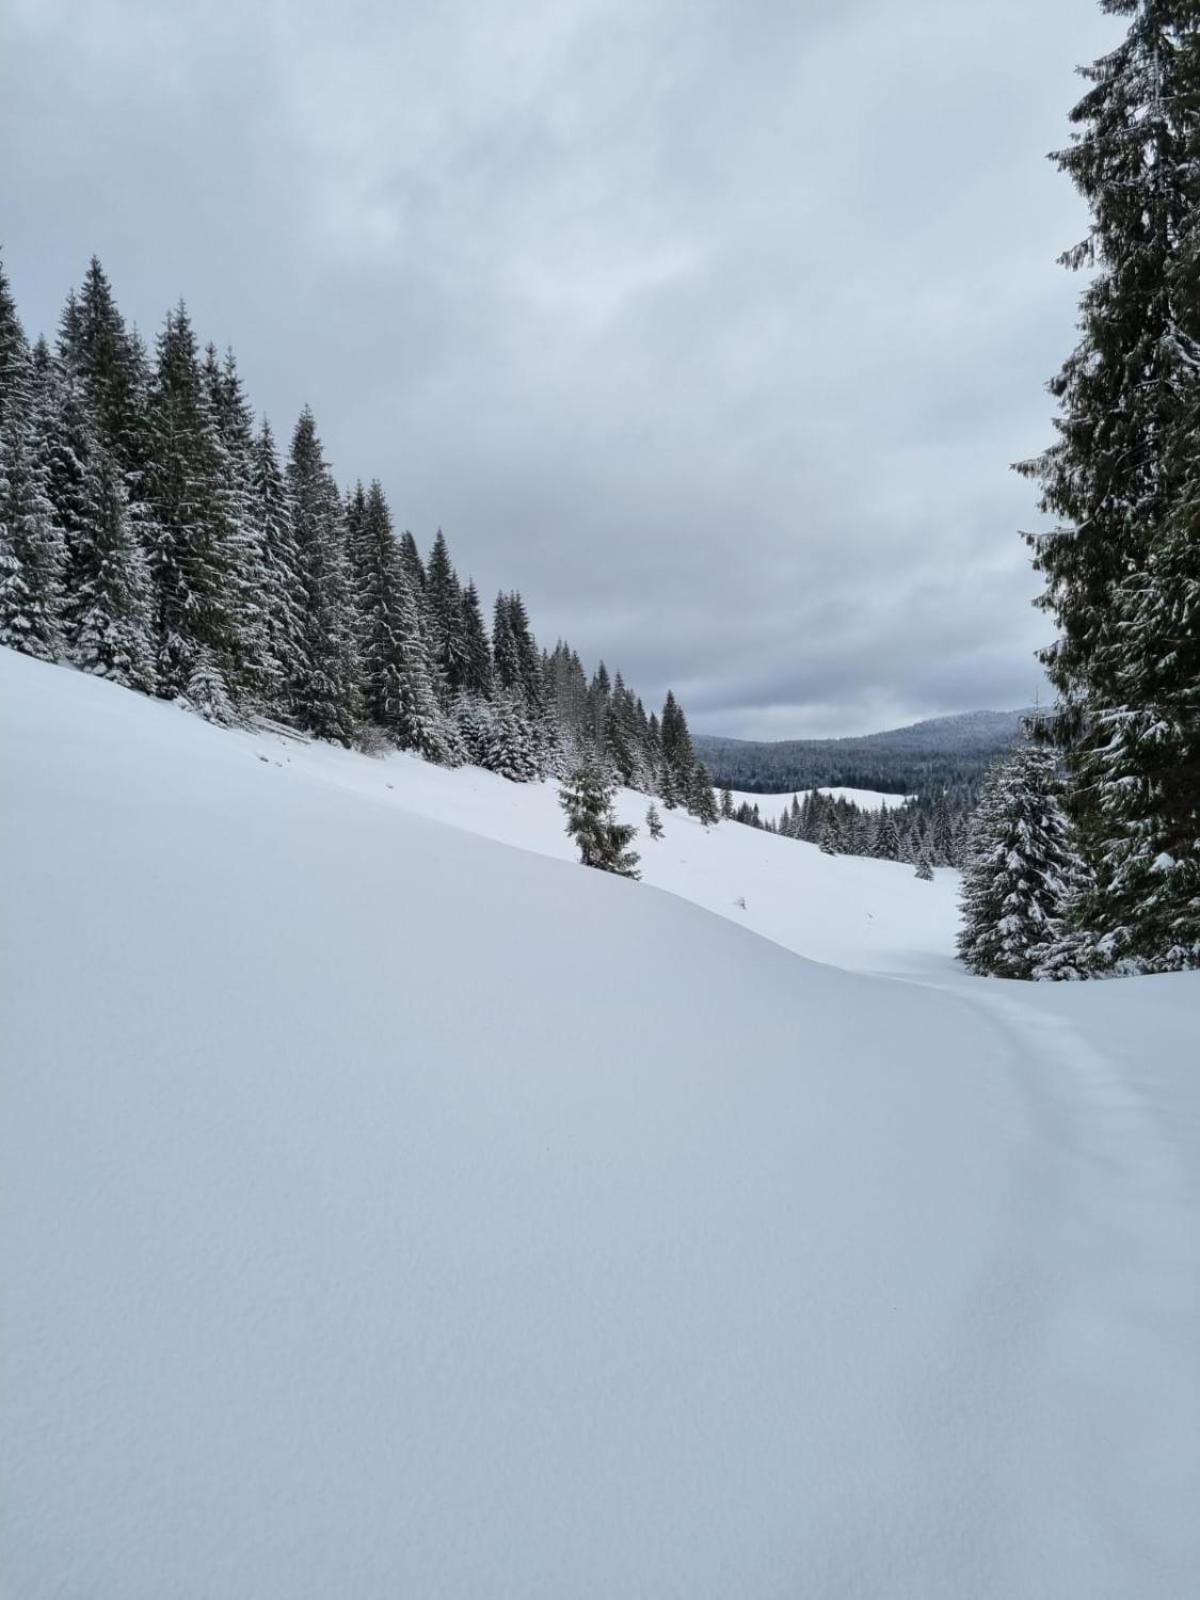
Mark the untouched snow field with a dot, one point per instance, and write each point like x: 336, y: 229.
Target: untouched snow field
x: 390, y: 1212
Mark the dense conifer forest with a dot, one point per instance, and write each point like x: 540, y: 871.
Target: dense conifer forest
x: 925, y: 831
x: 151, y: 532
x: 926, y: 758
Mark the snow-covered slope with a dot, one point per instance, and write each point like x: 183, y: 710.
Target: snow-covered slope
x: 865, y: 915
x: 387, y: 1211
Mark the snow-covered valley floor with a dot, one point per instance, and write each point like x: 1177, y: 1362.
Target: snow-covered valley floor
x: 388, y: 1211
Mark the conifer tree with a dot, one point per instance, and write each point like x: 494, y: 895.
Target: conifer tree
x: 14, y: 349
x: 477, y: 666
x: 587, y: 798
x: 357, y: 539
x: 1020, y: 867
x: 600, y: 708
x: 397, y: 677
x: 668, y: 790
x: 619, y: 731
x: 702, y: 802
x: 31, y: 550
x: 1119, y: 480
x: 885, y: 843
x: 1143, y: 768
x: 525, y: 654
x: 67, y: 443
x: 251, y: 592
x: 448, y: 643
x: 206, y: 690
x: 654, y: 751
x: 415, y: 569
x: 97, y: 348
x: 98, y: 351
x: 283, y: 605
x: 654, y: 825
x: 510, y: 748
x: 517, y: 744
x: 831, y: 839
x: 109, y: 612
x: 726, y: 804
x: 325, y: 693
x: 506, y: 655
x: 678, y: 755
x: 192, y: 559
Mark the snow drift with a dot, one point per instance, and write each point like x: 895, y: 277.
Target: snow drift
x: 388, y: 1211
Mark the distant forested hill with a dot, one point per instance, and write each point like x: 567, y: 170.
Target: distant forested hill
x: 942, y: 753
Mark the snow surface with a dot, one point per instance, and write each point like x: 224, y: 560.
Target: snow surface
x: 386, y: 1211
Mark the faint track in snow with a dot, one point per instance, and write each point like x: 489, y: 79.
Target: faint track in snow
x: 1097, y: 1264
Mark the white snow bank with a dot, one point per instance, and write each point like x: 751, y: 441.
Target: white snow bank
x: 388, y: 1212
x: 866, y: 915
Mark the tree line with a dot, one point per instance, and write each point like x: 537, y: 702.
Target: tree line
x: 1085, y: 859
x: 151, y: 533
x: 925, y: 833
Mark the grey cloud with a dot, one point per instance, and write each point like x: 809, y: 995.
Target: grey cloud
x: 713, y: 327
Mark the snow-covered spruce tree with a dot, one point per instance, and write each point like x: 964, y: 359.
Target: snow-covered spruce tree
x: 397, y: 679
x: 884, y: 839
x: 702, y: 801
x: 474, y: 720
x: 631, y: 718
x: 1143, y: 768
x: 654, y: 750
x: 727, y: 804
x: 95, y: 346
x: 506, y: 655
x: 253, y: 668
x: 529, y: 658
x: 924, y: 868
x: 31, y: 549
x: 415, y: 568
x: 325, y: 692
x: 192, y: 557
x: 97, y: 350
x: 678, y: 756
x: 354, y: 518
x: 654, y: 825
x: 1119, y: 480
x: 517, y: 746
x: 511, y: 749
x: 621, y: 734
x: 587, y: 798
x: 551, y: 756
x: 831, y: 837
x: 448, y: 644
x: 206, y: 691
x: 477, y: 668
x: 566, y: 694
x: 270, y: 513
x: 108, y: 608
x: 599, y: 708
x: 67, y: 443
x: 14, y: 348
x: 1020, y: 868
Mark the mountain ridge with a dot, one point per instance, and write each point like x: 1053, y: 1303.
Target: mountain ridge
x: 938, y: 752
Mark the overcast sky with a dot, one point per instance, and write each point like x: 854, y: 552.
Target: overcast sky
x: 711, y: 325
